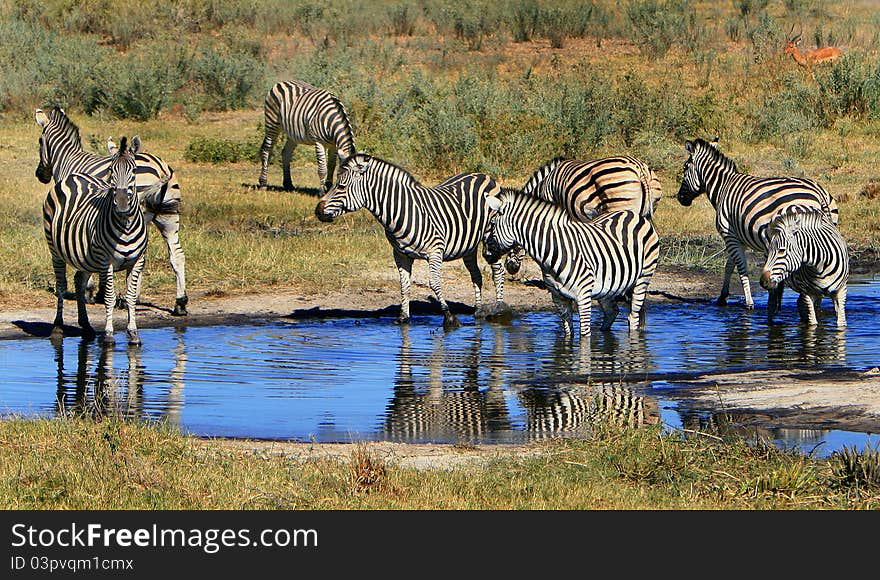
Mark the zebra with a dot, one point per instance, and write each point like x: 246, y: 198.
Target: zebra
x: 308, y: 115
x: 614, y: 255
x: 589, y: 188
x: 438, y: 224
x: 98, y: 227
x: 806, y: 251
x: 744, y: 207
x: 61, y: 154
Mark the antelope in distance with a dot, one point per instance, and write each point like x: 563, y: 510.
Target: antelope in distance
x: 809, y: 58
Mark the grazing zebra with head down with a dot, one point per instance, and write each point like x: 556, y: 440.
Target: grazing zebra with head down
x: 806, y: 251
x: 308, y: 115
x: 98, y: 227
x: 61, y: 154
x: 612, y: 256
x: 589, y: 188
x: 438, y: 224
x: 744, y: 207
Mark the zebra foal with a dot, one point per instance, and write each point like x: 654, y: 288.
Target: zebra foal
x: 438, y: 224
x: 62, y: 153
x: 98, y: 227
x: 744, y: 207
x: 589, y: 188
x: 308, y: 115
x: 807, y: 252
x: 614, y: 255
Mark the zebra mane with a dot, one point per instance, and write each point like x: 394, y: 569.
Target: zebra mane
x: 715, y: 154
x: 348, y: 128
x: 810, y: 218
x: 540, y: 173
x: 393, y: 166
x: 59, y: 117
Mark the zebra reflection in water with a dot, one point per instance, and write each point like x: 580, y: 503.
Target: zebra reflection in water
x: 464, y: 398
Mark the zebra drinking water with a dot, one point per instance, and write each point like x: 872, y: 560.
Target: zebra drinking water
x: 612, y: 256
x: 438, y: 224
x: 308, y: 115
x: 807, y: 252
x: 61, y: 154
x: 98, y: 227
x: 744, y: 207
x: 589, y: 188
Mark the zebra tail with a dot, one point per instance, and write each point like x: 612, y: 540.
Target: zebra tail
x: 154, y: 195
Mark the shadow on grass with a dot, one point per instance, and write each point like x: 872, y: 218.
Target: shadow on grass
x: 312, y: 191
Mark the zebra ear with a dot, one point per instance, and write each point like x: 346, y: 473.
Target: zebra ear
x: 111, y: 146
x: 714, y: 142
x: 494, y: 203
x: 135, y: 146
x: 689, y: 145
x: 41, y: 118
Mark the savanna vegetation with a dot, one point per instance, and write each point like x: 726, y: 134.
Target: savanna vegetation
x: 438, y: 87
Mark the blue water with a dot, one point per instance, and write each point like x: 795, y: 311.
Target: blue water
x: 350, y: 379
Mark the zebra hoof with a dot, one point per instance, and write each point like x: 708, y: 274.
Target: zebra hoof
x: 501, y: 312
x: 134, y: 339
x: 750, y: 306
x: 287, y: 187
x: 57, y: 333
x: 180, y: 307
x: 88, y: 332
x: 722, y: 301
x: 108, y: 340
x: 450, y: 321
x: 402, y: 320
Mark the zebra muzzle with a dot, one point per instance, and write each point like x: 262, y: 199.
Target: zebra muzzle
x: 767, y: 282
x: 321, y: 214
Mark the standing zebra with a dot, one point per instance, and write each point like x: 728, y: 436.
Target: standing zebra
x: 61, y: 154
x: 745, y: 205
x: 806, y: 251
x: 98, y: 227
x: 612, y: 256
x: 438, y: 224
x: 309, y: 115
x: 589, y: 188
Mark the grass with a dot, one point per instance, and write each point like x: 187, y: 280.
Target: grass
x: 110, y: 464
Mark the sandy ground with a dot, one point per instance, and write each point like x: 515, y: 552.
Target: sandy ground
x: 807, y: 398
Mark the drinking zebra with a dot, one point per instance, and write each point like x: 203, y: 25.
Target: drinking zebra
x: 308, y: 115
x: 98, y: 227
x: 438, y: 224
x: 807, y: 252
x: 61, y: 154
x: 612, y: 256
x: 589, y: 188
x: 745, y: 205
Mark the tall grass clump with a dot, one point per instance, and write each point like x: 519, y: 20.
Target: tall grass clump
x: 658, y: 25
x: 850, y: 88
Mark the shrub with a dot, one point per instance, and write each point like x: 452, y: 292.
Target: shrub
x: 210, y: 150
x: 227, y: 79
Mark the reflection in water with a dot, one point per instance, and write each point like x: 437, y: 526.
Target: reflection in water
x: 341, y: 379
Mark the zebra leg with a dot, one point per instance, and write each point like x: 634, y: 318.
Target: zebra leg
x: 132, y: 291
x: 725, y: 284
x: 404, y: 268
x: 839, y: 300
x: 60, y: 268
x: 498, y: 279
x: 609, y: 312
x: 585, y: 306
x: 286, y: 156
x: 321, y: 154
x: 742, y: 268
x: 109, y: 303
x: 332, y: 155
x: 808, y: 307
x: 470, y: 262
x: 435, y: 263
x: 80, y: 281
x: 169, y: 227
x: 272, y: 131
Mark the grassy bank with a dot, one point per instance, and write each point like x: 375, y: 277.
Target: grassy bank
x: 81, y: 464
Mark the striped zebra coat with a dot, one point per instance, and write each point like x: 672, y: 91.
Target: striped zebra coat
x: 438, y: 224
x: 744, y: 207
x: 308, y: 115
x: 612, y: 256
x: 807, y: 252
x: 98, y: 227
x: 589, y: 188
x: 62, y: 154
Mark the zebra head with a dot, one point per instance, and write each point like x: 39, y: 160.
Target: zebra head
x: 350, y: 191
x: 121, y: 177
x: 784, y: 248
x: 496, y: 241
x: 691, y: 180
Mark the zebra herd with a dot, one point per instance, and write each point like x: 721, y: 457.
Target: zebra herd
x: 587, y: 224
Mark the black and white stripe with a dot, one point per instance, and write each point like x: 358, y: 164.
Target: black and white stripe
x: 807, y: 252
x: 744, y: 207
x: 610, y: 257
x: 438, y: 224
x: 589, y: 188
x: 98, y: 227
x: 62, y: 154
x: 308, y: 115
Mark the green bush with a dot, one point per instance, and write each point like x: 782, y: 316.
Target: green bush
x: 209, y: 150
